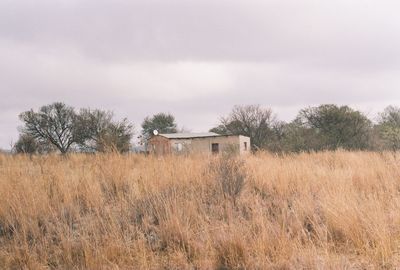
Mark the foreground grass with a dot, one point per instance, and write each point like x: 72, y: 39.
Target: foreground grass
x: 336, y: 210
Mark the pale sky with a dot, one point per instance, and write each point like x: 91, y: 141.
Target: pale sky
x: 196, y: 58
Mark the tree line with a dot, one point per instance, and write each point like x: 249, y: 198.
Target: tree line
x: 62, y: 128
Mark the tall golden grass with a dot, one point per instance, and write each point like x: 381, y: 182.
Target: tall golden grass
x: 333, y: 210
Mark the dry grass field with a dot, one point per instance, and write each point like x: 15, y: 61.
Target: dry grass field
x: 333, y: 210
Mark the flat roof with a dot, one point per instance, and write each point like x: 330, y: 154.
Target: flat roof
x: 190, y: 135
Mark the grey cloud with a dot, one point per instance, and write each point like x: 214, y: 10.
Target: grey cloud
x: 360, y: 34
x: 196, y: 59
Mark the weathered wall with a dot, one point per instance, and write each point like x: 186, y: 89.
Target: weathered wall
x: 159, y: 145
x: 242, y: 141
x: 203, y: 145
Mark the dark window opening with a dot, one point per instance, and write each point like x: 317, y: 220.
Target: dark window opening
x: 215, y: 148
x: 245, y: 146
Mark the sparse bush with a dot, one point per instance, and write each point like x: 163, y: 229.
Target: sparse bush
x: 230, y: 175
x: 27, y: 144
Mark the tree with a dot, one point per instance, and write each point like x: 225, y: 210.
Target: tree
x: 336, y: 127
x: 99, y: 132
x: 252, y: 121
x: 117, y: 137
x: 26, y: 144
x: 52, y: 124
x: 389, y: 127
x: 391, y: 115
x: 91, y: 126
x: 162, y: 122
x: 295, y: 137
x: 60, y: 126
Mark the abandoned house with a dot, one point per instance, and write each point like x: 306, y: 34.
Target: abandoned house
x: 176, y: 143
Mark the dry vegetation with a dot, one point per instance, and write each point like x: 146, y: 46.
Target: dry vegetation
x: 338, y: 210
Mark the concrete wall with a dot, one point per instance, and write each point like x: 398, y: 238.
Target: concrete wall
x: 204, y: 145
x: 160, y: 145
x: 245, y: 144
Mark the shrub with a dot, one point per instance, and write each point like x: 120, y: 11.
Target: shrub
x: 230, y: 175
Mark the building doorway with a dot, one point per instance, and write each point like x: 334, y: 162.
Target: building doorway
x: 215, y: 148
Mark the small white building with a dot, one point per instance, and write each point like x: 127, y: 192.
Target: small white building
x: 175, y: 143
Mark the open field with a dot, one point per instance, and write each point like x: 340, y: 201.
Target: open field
x: 334, y: 210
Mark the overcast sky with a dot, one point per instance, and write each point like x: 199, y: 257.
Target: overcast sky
x: 196, y: 59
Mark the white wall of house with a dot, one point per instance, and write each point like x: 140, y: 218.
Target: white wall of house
x: 205, y: 145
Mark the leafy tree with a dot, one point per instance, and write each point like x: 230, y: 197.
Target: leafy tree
x: 26, y: 144
x: 91, y: 126
x: 60, y: 126
x: 220, y: 129
x: 389, y: 127
x: 99, y: 132
x: 391, y: 115
x: 52, y: 124
x: 336, y: 127
x: 162, y: 122
x: 117, y: 137
x: 251, y: 120
x: 295, y: 137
